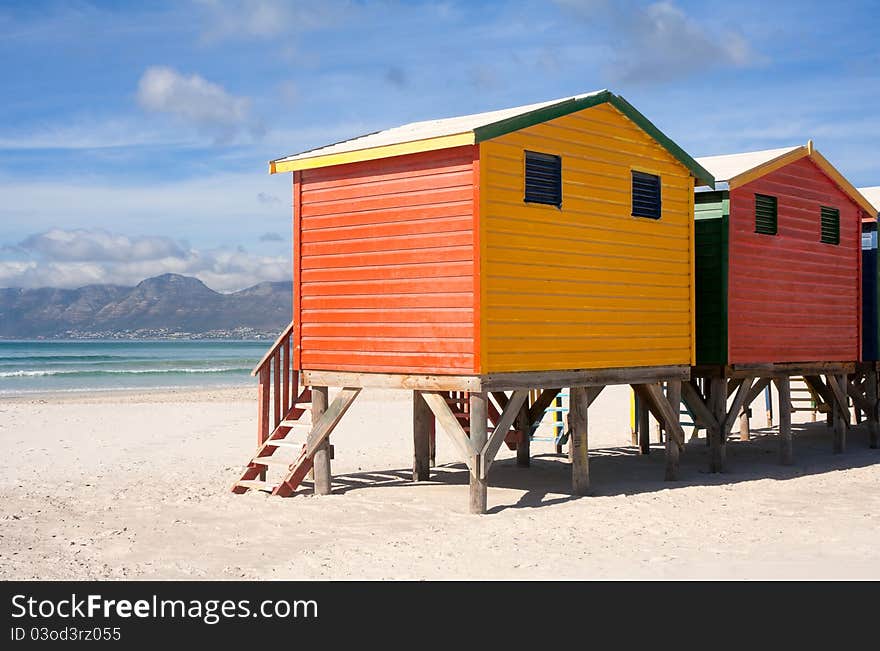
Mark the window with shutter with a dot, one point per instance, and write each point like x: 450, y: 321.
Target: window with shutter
x: 765, y: 214
x: 646, y: 195
x: 830, y: 226
x: 543, y: 179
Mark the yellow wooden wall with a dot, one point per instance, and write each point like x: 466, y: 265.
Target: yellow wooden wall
x: 587, y: 285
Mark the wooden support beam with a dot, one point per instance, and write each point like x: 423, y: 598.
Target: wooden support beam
x: 643, y: 425
x: 738, y: 403
x: 873, y: 414
x: 858, y: 392
x: 718, y: 434
x: 673, y: 447
x: 490, y: 449
x: 839, y: 411
x: 774, y: 370
x: 733, y: 384
x: 450, y: 425
x: 578, y: 441
x: 478, y: 439
x: 783, y: 385
x: 593, y: 393
x: 321, y: 458
x: 322, y: 428
x: 820, y: 389
x: 585, y: 377
x: 652, y: 394
x: 697, y: 406
x: 523, y: 425
x: 423, y: 418
x: 744, y: 431
x: 837, y: 385
x: 757, y: 389
x: 536, y: 411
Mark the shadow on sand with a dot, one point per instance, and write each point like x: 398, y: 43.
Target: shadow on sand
x: 622, y: 471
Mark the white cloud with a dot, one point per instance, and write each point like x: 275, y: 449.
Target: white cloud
x: 195, y: 100
x: 660, y: 41
x: 98, y: 245
x: 60, y: 258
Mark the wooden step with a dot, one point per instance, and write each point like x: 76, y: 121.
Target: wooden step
x: 285, y: 443
x: 294, y: 423
x: 272, y: 461
x: 256, y: 485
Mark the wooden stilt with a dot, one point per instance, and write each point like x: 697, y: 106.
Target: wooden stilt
x: 478, y: 438
x: 321, y: 461
x: 744, y: 432
x: 423, y: 418
x: 523, y: 447
x: 786, y: 456
x: 838, y: 422
x: 643, y: 424
x: 578, y: 443
x: 633, y: 418
x: 673, y: 449
x: 433, y: 443
x: 717, y: 438
x: 873, y: 415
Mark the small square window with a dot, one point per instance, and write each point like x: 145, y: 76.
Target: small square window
x: 830, y: 226
x: 646, y: 195
x: 766, y: 214
x: 543, y: 179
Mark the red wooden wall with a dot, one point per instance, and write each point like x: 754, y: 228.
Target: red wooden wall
x: 790, y: 297
x: 387, y: 264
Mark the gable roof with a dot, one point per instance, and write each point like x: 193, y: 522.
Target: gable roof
x: 430, y: 135
x: 872, y: 194
x: 739, y: 169
x: 730, y: 166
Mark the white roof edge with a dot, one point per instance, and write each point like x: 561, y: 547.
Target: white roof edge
x: 427, y: 129
x: 872, y: 194
x: 728, y: 166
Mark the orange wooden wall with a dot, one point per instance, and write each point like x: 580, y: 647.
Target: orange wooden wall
x: 792, y: 298
x: 386, y: 265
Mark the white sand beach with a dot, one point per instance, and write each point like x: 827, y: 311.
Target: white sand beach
x: 136, y: 486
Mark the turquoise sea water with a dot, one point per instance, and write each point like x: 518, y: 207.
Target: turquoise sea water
x: 41, y: 366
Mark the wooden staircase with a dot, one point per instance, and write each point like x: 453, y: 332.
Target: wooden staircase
x: 285, y: 410
x: 459, y: 403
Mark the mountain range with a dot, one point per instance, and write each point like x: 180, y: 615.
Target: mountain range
x: 169, y: 305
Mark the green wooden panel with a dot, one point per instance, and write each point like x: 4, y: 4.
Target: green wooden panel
x: 711, y: 243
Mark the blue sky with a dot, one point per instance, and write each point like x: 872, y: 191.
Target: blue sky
x: 134, y: 139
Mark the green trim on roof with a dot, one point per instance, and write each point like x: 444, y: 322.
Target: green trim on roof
x: 573, y: 105
x: 539, y: 115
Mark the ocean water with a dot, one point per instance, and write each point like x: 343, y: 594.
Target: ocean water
x: 45, y: 366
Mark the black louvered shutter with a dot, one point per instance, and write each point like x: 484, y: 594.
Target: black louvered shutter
x: 645, y: 195
x: 543, y: 179
x: 830, y: 225
x: 765, y: 214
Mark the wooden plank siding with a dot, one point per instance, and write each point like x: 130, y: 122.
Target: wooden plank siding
x: 711, y: 224
x: 586, y: 285
x: 870, y: 291
x: 792, y: 298
x: 387, y: 264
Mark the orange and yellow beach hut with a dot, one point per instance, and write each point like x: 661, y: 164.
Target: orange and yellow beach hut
x: 536, y: 247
